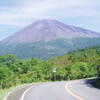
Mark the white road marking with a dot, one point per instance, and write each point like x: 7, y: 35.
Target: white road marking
x: 23, y: 95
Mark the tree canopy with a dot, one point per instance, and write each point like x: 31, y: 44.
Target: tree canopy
x: 75, y: 65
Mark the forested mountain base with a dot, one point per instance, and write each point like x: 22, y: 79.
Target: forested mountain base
x: 75, y: 65
x: 45, y: 50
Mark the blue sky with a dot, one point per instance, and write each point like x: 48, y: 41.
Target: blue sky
x: 17, y: 14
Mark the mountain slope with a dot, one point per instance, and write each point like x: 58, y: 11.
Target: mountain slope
x: 47, y: 30
x: 46, y: 39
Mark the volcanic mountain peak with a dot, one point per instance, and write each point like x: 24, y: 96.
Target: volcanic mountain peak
x: 47, y: 30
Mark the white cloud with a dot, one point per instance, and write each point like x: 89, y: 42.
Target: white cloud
x: 35, y: 9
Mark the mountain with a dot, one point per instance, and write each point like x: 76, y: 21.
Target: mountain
x: 45, y: 39
x: 47, y: 30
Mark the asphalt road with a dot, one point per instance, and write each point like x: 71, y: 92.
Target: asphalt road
x: 69, y: 90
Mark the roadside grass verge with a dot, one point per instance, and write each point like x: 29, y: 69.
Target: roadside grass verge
x: 4, y: 92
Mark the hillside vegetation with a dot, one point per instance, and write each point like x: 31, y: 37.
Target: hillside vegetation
x: 45, y: 50
x: 74, y: 65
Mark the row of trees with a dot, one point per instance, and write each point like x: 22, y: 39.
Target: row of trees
x: 75, y: 65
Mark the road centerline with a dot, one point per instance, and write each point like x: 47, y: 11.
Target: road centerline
x: 71, y: 93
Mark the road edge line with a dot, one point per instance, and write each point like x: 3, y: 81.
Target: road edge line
x: 23, y: 95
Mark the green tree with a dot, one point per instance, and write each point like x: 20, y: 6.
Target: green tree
x: 98, y: 71
x: 7, y: 77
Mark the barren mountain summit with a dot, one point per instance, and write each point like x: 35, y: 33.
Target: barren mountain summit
x: 47, y: 30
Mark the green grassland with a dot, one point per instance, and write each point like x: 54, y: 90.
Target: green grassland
x: 4, y: 92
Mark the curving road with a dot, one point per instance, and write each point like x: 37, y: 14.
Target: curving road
x: 69, y: 90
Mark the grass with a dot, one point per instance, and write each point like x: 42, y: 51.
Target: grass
x: 4, y: 92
